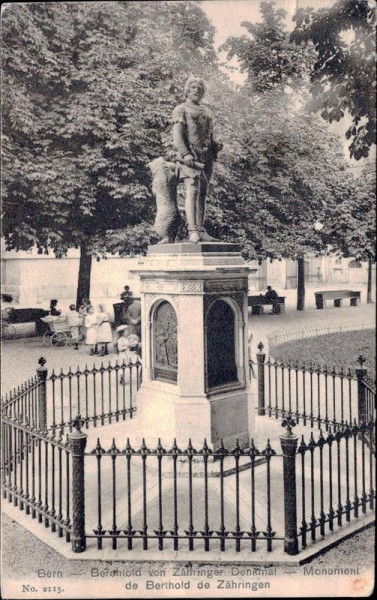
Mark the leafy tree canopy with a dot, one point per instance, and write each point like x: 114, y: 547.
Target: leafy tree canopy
x: 89, y: 89
x: 266, y: 54
x: 292, y: 176
x: 292, y: 167
x: 351, y: 227
x: 344, y: 72
x: 88, y: 92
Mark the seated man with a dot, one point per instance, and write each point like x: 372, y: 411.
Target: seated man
x: 126, y: 295
x: 272, y: 297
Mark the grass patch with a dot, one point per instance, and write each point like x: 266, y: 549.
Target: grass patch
x: 334, y: 350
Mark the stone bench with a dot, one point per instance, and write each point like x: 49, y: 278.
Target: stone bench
x: 337, y: 296
x: 258, y: 303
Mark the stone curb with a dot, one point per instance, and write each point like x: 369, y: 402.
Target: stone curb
x: 275, y: 558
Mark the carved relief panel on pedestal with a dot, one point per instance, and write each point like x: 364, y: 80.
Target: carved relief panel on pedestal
x: 165, y: 343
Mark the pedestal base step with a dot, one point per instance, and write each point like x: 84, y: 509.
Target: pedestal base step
x: 214, y: 466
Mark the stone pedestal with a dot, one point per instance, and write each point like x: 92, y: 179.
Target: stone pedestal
x: 194, y: 336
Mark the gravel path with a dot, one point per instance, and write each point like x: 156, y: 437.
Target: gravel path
x: 23, y: 554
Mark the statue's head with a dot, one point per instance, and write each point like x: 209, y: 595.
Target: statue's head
x: 194, y: 88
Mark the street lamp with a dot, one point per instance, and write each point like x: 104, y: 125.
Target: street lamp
x: 318, y: 226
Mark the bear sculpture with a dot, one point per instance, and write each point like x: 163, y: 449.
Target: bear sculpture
x: 164, y: 188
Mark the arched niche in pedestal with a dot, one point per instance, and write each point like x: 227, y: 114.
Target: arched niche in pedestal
x: 164, y: 342
x: 222, y: 346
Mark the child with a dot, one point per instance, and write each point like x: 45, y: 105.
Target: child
x: 91, y: 325
x: 128, y: 347
x: 104, y: 335
x: 73, y: 319
x: 128, y: 350
x: 122, y: 342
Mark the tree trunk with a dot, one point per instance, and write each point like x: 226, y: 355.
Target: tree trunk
x: 369, y: 284
x: 85, y: 268
x: 300, y: 283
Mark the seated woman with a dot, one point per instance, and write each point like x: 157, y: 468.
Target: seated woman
x: 54, y: 312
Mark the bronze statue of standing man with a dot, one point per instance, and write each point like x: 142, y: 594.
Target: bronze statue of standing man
x: 196, y: 153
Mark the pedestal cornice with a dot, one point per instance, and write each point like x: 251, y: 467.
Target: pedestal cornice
x: 195, y: 260
x: 182, y: 248
x: 194, y: 286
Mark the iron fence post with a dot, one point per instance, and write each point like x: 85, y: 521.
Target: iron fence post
x: 77, y: 439
x: 261, y: 357
x: 289, y: 443
x: 42, y: 394
x: 361, y: 373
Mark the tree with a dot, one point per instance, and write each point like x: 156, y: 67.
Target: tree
x: 351, y: 228
x: 88, y: 92
x: 344, y: 72
x: 287, y: 185
x: 267, y: 55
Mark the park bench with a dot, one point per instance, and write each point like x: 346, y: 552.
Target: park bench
x: 29, y: 315
x: 258, y: 303
x: 337, y: 296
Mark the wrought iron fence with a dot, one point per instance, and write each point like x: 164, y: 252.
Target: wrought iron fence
x: 26, y: 400
x: 188, y: 498
x: 183, y: 498
x: 36, y: 473
x: 279, y: 336
x: 101, y: 395
x: 316, y: 395
x: 338, y: 483
x: 369, y: 390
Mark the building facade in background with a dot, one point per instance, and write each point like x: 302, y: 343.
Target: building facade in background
x: 33, y: 279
